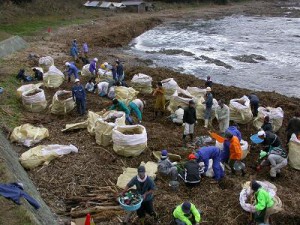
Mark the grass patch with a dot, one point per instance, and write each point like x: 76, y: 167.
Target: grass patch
x: 10, y: 106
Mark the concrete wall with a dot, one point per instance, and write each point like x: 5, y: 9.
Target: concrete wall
x: 42, y: 216
x: 12, y: 45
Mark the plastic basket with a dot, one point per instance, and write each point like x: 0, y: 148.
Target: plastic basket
x: 255, y: 139
x: 131, y: 207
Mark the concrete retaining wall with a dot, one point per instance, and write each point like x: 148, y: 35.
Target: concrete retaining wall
x: 12, y: 45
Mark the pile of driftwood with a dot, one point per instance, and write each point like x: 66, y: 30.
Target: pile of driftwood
x: 100, y: 202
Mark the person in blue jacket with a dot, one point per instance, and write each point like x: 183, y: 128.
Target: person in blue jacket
x: 93, y: 67
x: 206, y: 153
x: 120, y: 106
x: 72, y: 70
x: 79, y: 96
x: 254, y: 103
x: 120, y: 71
x: 235, y: 132
x: 74, y: 52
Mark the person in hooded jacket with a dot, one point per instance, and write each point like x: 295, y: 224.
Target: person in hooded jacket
x: 187, y: 214
x: 191, y: 174
x: 267, y: 126
x: 166, y: 167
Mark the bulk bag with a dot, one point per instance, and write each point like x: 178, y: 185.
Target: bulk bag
x: 240, y: 110
x: 91, y: 121
x: 275, y: 115
x: 179, y: 99
x: 196, y: 92
x: 105, y: 73
x: 294, y: 152
x: 62, y: 103
x: 125, y: 94
x: 46, y: 62
x: 142, y: 83
x: 85, y: 70
x: 28, y: 134
x: 53, y: 78
x: 34, y: 100
x: 170, y: 86
x: 27, y: 87
x: 105, y: 124
x: 129, y: 140
x: 43, y: 154
x: 200, y: 108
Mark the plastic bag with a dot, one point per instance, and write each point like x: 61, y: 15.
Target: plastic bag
x: 294, y: 152
x: 34, y: 100
x: 61, y: 107
x: 28, y: 134
x: 142, y: 83
x: 129, y: 140
x: 275, y: 115
x: 240, y: 110
x: 53, y: 78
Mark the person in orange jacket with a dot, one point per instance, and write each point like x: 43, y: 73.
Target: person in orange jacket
x: 235, y: 150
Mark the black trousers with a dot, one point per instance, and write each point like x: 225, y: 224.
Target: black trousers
x: 146, y: 207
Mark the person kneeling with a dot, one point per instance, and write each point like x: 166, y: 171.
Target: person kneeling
x: 166, y: 167
x: 191, y: 173
x: 186, y: 214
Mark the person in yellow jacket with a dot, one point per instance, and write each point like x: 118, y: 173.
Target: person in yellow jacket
x: 187, y: 214
x: 264, y: 205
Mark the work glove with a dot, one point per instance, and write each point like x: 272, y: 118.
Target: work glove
x: 139, y: 122
x: 174, y: 163
x: 183, y: 124
x: 196, y: 122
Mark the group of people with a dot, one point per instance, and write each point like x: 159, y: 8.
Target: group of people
x: 22, y: 76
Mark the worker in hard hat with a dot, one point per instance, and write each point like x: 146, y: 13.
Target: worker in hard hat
x: 79, y: 96
x: 93, y: 67
x: 71, y: 70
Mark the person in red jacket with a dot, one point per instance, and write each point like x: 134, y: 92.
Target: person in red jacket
x: 235, y: 150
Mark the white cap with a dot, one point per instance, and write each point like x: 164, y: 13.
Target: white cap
x: 95, y: 59
x: 67, y: 64
x: 261, y: 133
x: 105, y: 64
x: 77, y: 80
x: 208, y: 89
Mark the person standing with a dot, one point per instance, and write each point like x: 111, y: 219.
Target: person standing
x: 187, y: 214
x: 72, y: 70
x: 93, y: 67
x: 120, y: 71
x: 120, y: 106
x: 208, y: 82
x: 79, y: 96
x: 223, y: 116
x: 208, y: 106
x: 85, y: 49
x: 74, y: 53
x: 206, y: 153
x: 137, y: 106
x: 145, y: 186
x: 166, y: 167
x: 254, y: 103
x: 160, y: 101
x: 293, y: 126
x: 189, y: 120
x: 191, y: 174
x: 235, y: 150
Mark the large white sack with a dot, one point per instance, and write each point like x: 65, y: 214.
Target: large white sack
x: 244, y: 144
x: 125, y: 94
x: 294, y: 152
x: 28, y: 134
x: 36, y: 102
x: 103, y: 129
x: 246, y: 193
x: 46, y: 62
x: 275, y: 114
x: 129, y: 140
x: 240, y: 110
x: 53, y: 78
x: 85, y: 70
x: 43, y: 154
x: 27, y: 87
x: 91, y: 121
x: 61, y: 107
x: 200, y: 108
x: 176, y: 100
x: 142, y: 83
x: 170, y: 86
x: 210, y: 171
x: 196, y: 92
x: 105, y: 73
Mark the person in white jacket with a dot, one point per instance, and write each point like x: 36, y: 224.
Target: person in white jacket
x: 177, y: 117
x: 223, y: 116
x: 102, y: 88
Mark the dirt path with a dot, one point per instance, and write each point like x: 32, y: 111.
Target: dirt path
x: 67, y: 176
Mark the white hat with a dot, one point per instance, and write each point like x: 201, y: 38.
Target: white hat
x: 208, y: 89
x: 105, y: 64
x: 95, y: 59
x: 76, y: 80
x: 67, y: 64
x: 261, y: 133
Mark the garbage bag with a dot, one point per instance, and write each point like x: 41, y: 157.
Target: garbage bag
x: 62, y: 103
x: 240, y: 110
x: 53, y: 78
x: 275, y: 115
x: 28, y: 134
x: 105, y: 124
x: 142, y: 83
x: 125, y: 94
x: 129, y: 140
x: 43, y: 154
x: 27, y: 87
x: 34, y: 100
x: 170, y: 85
x: 294, y: 152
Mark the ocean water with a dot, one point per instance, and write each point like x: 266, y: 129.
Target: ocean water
x: 212, y: 47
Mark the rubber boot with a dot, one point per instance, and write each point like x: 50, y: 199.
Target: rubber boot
x: 205, y: 123
x: 142, y: 221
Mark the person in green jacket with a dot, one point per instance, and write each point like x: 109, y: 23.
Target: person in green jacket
x: 120, y: 106
x: 264, y: 204
x: 186, y: 214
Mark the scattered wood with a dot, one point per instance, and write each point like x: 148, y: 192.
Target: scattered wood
x: 93, y: 210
